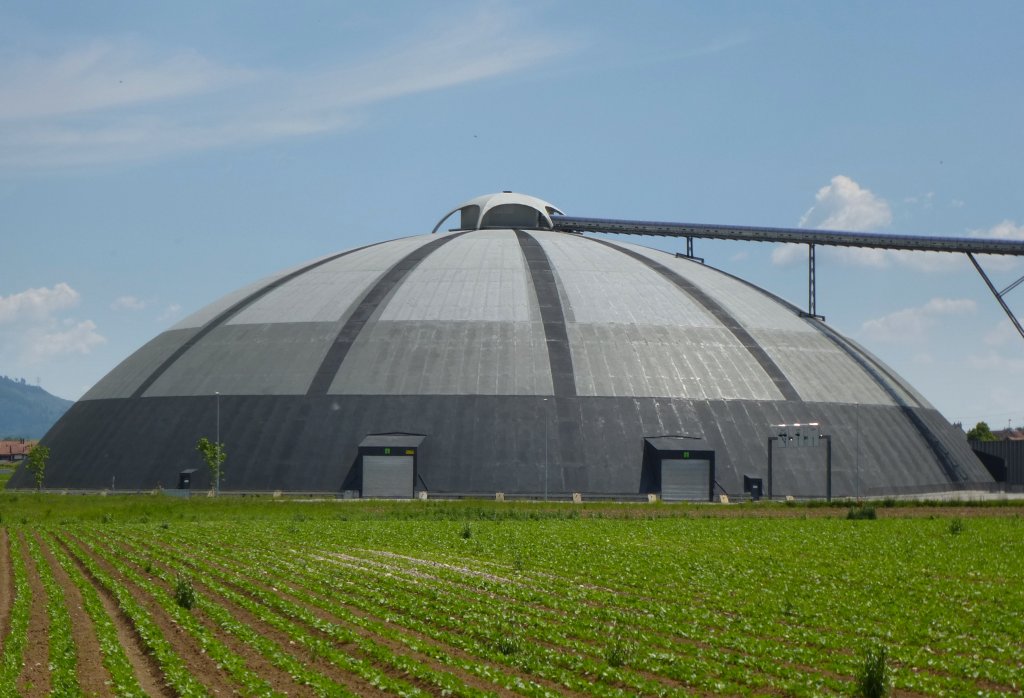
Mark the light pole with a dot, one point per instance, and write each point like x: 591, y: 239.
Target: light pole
x: 217, y: 485
x: 546, y: 417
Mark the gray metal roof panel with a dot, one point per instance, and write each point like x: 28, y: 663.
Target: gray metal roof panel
x: 635, y: 360
x: 264, y: 359
x: 602, y: 286
x: 752, y: 308
x: 129, y: 374
x: 818, y: 369
x: 326, y: 293
x: 473, y: 279
x: 447, y: 358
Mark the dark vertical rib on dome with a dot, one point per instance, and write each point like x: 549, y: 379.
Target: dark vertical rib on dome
x: 226, y: 315
x: 357, y: 320
x: 949, y: 466
x: 878, y: 374
x: 722, y: 315
x: 563, y: 376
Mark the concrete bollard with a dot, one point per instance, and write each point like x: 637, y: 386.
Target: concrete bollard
x: 577, y: 497
x: 499, y: 496
x: 652, y: 498
x: 421, y: 495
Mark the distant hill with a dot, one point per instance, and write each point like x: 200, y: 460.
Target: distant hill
x: 28, y: 411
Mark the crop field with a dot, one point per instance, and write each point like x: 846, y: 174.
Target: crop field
x: 146, y: 596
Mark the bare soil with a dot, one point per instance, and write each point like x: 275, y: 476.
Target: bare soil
x: 93, y: 677
x: 35, y: 674
x: 144, y: 665
x: 200, y: 665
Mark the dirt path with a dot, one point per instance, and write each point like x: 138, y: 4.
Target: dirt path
x: 6, y: 587
x: 93, y: 677
x: 35, y: 674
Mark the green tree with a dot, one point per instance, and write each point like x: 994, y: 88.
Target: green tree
x: 981, y: 432
x: 214, y: 455
x: 36, y: 462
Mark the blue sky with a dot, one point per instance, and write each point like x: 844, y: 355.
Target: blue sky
x: 155, y: 156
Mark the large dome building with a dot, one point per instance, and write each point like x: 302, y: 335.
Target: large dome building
x: 506, y: 357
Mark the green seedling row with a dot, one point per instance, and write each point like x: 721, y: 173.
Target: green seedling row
x: 63, y: 653
x: 177, y: 674
x: 123, y: 680
x: 463, y: 601
x: 17, y: 634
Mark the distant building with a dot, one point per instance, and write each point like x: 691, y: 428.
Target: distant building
x: 14, y: 450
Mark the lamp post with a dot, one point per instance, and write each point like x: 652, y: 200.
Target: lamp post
x: 546, y: 417
x: 217, y: 485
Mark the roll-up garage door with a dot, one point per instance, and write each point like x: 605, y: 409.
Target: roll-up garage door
x: 685, y: 480
x: 387, y: 476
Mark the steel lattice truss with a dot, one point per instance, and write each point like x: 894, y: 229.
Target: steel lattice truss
x: 811, y: 238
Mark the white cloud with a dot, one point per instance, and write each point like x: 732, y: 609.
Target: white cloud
x: 1006, y: 230
x: 116, y: 101
x: 31, y: 330
x: 884, y: 259
x: 37, y: 304
x: 786, y: 254
x: 845, y: 205
x: 912, y: 324
x: 104, y: 75
x: 78, y: 338
x: 170, y: 312
x: 841, y: 205
x: 128, y: 303
x: 1002, y: 334
x: 999, y: 364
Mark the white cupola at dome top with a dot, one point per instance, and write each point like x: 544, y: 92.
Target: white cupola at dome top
x: 503, y: 210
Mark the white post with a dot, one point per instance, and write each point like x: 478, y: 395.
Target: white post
x: 217, y: 485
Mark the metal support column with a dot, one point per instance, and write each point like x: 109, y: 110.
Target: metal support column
x: 999, y: 295
x: 689, y: 247
x: 770, y: 440
x: 811, y: 293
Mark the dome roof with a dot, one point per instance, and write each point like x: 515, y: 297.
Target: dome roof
x: 502, y: 346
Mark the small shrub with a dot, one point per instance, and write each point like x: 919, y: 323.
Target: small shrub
x: 873, y: 680
x: 956, y: 527
x: 184, y: 592
x: 509, y: 644
x: 788, y: 609
x: 617, y: 653
x: 467, y: 532
x: 861, y: 513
